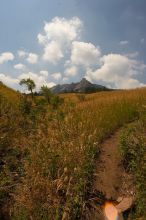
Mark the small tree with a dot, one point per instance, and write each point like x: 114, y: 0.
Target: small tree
x: 56, y: 101
x: 45, y: 91
x: 30, y: 85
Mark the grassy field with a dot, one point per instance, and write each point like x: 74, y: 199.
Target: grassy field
x: 48, y: 153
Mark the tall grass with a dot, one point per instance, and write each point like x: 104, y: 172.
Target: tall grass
x: 61, y: 149
x: 133, y: 148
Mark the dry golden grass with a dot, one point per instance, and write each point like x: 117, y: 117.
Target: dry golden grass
x: 133, y: 148
x: 11, y: 95
x: 61, y: 152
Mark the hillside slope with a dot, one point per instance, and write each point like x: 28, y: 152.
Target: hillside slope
x: 9, y: 93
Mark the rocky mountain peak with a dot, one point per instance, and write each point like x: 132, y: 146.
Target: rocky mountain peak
x: 84, y: 86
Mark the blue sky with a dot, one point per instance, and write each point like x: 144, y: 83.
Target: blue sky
x: 62, y: 41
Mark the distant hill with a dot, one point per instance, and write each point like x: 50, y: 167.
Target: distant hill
x: 84, y: 86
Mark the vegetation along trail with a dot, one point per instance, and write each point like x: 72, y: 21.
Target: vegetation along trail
x: 53, y: 146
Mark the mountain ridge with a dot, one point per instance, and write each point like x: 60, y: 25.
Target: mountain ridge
x: 84, y: 86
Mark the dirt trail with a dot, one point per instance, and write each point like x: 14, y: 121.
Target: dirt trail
x: 108, y: 170
x: 110, y: 177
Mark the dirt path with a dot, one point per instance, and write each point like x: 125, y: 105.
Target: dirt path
x: 108, y: 170
x: 110, y: 177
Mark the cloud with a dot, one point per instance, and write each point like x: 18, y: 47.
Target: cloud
x: 56, y: 76
x: 71, y: 71
x: 132, y: 55
x: 61, y: 41
x: 84, y: 54
x: 42, y: 39
x: 130, y: 83
x: 19, y: 66
x: 44, y: 73
x: 7, y: 56
x: 22, y: 53
x: 52, y: 52
x: 65, y: 79
x: 63, y: 30
x: 39, y: 79
x: 118, y: 70
x: 124, y: 42
x: 32, y: 58
x: 8, y: 80
x: 57, y: 37
x: 50, y: 84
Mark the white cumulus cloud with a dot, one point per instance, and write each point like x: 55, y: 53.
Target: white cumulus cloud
x: 50, y: 84
x: 56, y: 76
x: 84, y: 54
x: 57, y: 37
x: 42, y: 39
x: 118, y: 70
x: 6, y: 56
x: 8, y: 80
x: 32, y: 58
x: 63, y: 30
x: 44, y: 73
x: 22, y: 53
x: 52, y: 52
x: 71, y: 71
x: 19, y: 66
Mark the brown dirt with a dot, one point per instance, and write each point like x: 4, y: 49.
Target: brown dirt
x: 108, y: 170
x: 110, y: 177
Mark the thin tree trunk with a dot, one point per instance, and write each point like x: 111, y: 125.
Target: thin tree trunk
x: 31, y: 93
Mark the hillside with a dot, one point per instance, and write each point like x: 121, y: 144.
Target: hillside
x: 48, y: 151
x: 84, y: 86
x: 9, y: 93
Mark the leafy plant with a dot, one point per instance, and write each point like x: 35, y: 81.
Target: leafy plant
x: 45, y: 91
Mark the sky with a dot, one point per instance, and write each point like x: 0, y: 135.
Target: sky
x: 62, y: 41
